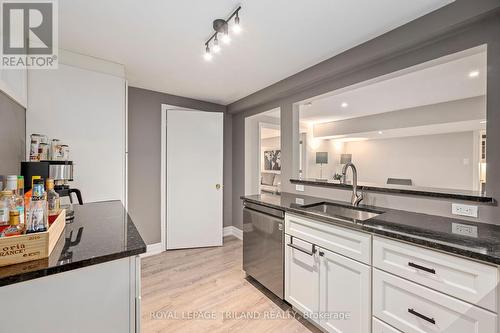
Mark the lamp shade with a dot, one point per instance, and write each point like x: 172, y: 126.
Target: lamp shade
x: 345, y: 158
x: 321, y: 158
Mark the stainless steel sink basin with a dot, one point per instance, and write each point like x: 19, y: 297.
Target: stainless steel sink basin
x: 341, y: 212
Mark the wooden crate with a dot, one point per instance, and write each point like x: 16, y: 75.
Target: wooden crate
x: 22, y: 248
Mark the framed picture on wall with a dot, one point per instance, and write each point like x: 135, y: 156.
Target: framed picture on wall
x: 272, y: 160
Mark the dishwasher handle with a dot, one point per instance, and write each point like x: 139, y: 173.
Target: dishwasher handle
x: 298, y: 248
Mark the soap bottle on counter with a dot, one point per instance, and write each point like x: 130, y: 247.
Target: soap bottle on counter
x: 38, y: 219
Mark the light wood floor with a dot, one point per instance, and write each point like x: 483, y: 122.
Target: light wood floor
x: 209, y: 282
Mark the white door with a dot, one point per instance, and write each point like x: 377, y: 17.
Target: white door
x: 345, y: 294
x: 194, y: 162
x: 301, y: 275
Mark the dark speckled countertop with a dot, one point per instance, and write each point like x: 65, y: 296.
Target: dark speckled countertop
x: 421, y: 229
x: 100, y: 232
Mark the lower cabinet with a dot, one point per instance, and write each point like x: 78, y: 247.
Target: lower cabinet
x: 301, y: 275
x: 415, y: 309
x: 331, y: 290
x: 345, y: 293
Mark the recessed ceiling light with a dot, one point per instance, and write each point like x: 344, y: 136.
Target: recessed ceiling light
x: 344, y: 104
x: 473, y: 74
x: 380, y: 132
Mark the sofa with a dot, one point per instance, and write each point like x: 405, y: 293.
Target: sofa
x: 270, y: 182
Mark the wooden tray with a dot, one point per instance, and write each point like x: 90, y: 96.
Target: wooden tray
x: 22, y: 248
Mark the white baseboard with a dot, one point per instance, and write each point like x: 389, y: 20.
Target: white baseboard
x: 233, y: 231
x: 152, y: 249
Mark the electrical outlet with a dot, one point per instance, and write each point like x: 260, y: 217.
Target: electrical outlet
x: 464, y: 229
x: 299, y: 201
x: 299, y: 188
x: 464, y: 210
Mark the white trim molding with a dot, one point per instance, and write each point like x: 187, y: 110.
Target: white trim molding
x: 233, y: 231
x: 153, y: 249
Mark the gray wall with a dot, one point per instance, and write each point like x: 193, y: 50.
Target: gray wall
x: 461, y: 25
x: 12, y: 135
x: 144, y: 134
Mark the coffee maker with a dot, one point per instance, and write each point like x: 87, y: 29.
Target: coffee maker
x: 61, y: 172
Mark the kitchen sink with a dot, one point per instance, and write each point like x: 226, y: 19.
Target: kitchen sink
x: 342, y: 212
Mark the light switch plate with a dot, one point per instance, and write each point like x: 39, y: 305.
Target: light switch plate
x: 464, y: 210
x: 464, y: 229
x: 299, y: 188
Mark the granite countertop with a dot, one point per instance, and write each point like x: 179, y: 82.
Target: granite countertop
x: 100, y: 232
x: 431, y: 192
x: 422, y: 229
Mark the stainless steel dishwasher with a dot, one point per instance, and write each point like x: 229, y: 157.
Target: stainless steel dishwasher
x: 263, y: 250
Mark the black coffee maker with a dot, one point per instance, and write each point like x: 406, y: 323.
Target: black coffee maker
x: 61, y: 172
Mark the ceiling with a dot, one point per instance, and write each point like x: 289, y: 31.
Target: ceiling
x: 161, y: 42
x: 441, y: 80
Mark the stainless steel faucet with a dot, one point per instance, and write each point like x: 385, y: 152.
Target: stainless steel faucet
x: 356, y: 196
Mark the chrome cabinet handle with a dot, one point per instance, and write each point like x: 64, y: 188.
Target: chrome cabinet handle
x: 422, y: 268
x: 298, y: 248
x: 218, y: 186
x: 419, y: 315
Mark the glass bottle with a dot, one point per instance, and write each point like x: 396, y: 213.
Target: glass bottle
x: 5, y: 206
x: 19, y: 200
x: 15, y: 228
x: 38, y: 219
x: 53, y: 200
x: 11, y: 183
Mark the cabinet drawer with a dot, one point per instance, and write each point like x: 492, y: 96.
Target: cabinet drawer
x: 461, y: 278
x: 412, y: 308
x: 350, y: 243
x: 381, y: 327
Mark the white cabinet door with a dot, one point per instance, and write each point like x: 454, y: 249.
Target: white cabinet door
x: 345, y: 294
x: 301, y: 275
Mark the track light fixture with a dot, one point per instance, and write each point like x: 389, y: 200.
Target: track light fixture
x: 221, y: 28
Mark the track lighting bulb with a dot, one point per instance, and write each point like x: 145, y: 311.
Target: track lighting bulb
x: 225, y: 38
x: 216, y: 45
x: 236, y: 26
x: 207, y: 55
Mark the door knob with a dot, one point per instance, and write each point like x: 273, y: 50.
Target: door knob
x: 218, y: 186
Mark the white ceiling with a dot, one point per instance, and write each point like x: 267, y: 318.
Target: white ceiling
x: 434, y: 82
x: 161, y: 42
